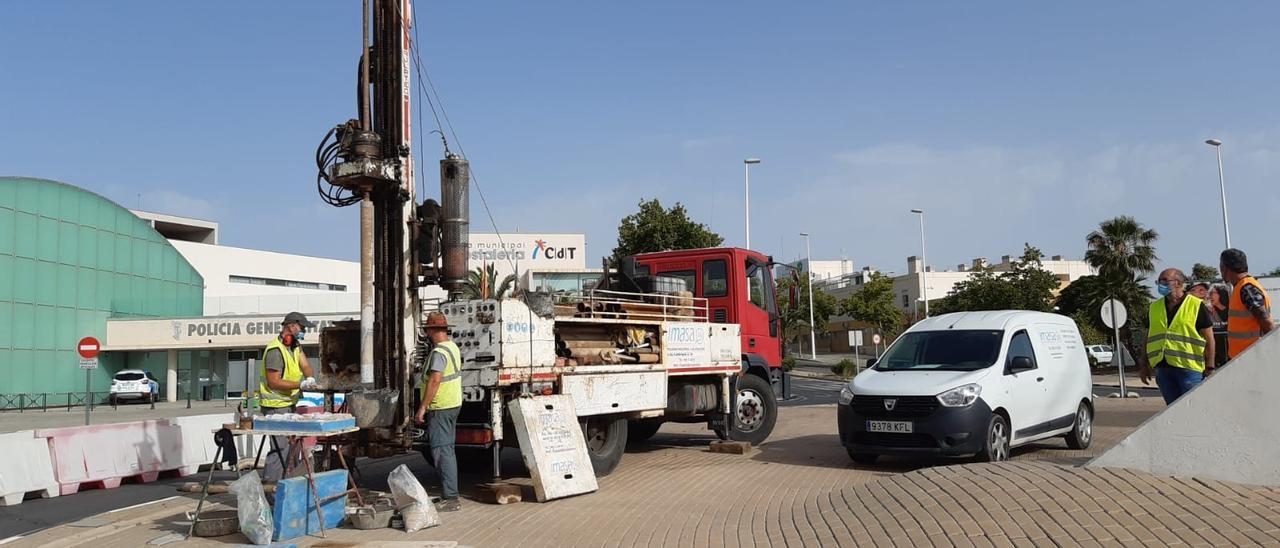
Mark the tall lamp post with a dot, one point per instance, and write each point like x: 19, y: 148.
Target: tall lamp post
x: 746, y: 191
x: 1222, y: 185
x: 924, y: 265
x: 813, y: 339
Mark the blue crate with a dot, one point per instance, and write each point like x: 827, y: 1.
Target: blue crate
x: 295, y: 511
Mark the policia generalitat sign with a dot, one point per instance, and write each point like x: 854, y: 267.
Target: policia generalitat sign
x: 207, y: 332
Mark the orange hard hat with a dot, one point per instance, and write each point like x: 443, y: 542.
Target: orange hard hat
x: 436, y: 320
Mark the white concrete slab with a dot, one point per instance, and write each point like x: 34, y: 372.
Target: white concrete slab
x: 553, y: 447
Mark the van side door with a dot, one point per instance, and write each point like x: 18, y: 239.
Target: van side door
x: 1027, y: 387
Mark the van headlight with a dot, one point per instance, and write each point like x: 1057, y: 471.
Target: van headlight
x: 846, y: 396
x: 960, y: 396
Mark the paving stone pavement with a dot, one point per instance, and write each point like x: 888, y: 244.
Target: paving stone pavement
x: 800, y: 489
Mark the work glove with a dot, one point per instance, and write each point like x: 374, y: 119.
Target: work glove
x: 308, y: 383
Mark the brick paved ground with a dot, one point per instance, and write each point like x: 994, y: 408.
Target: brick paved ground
x: 800, y: 489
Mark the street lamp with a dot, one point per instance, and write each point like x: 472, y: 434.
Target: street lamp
x: 924, y: 265
x: 1217, y: 146
x: 746, y: 191
x: 813, y: 339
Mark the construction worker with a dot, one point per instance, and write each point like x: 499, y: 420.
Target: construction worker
x: 441, y: 401
x: 285, y: 372
x: 1249, y: 311
x: 1180, y: 345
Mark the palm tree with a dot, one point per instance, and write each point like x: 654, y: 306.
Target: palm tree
x: 1124, y: 252
x: 482, y: 283
x: 1122, y: 248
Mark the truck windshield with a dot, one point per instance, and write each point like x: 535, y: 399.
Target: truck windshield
x: 966, y: 350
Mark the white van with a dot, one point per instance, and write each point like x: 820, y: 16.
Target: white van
x: 971, y: 383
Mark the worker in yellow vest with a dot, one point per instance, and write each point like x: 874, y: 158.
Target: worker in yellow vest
x: 1249, y: 311
x: 441, y: 400
x: 1180, y: 345
x: 284, y: 373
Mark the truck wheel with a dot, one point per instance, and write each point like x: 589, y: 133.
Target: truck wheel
x: 642, y: 430
x: 755, y: 410
x: 997, y: 447
x: 606, y: 440
x: 1082, y: 431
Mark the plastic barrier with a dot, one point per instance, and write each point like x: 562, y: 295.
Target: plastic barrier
x: 25, y: 468
x: 198, y: 448
x: 104, y: 455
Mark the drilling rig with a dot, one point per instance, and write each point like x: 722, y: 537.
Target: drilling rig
x: 685, y: 336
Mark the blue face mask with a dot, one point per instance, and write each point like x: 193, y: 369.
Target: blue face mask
x: 301, y: 335
x: 1163, y: 290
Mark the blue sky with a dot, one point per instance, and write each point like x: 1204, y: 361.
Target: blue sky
x: 1006, y: 121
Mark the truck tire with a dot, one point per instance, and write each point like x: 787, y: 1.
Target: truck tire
x: 754, y: 411
x: 606, y: 438
x: 640, y: 431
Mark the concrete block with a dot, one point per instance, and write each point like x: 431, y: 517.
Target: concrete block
x: 731, y: 447
x: 499, y: 493
x: 295, y: 512
x: 552, y: 445
x: 25, y: 468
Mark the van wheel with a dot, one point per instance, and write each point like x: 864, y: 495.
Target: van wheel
x: 755, y: 410
x: 863, y: 458
x: 606, y: 439
x: 997, y: 446
x: 1082, y: 432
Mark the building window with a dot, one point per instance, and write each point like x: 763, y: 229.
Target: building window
x: 905, y: 302
x: 286, y: 283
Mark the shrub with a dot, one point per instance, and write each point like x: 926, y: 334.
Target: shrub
x: 846, y: 368
x: 788, y: 363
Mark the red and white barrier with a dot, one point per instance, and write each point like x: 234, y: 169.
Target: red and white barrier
x: 104, y: 455
x: 24, y: 468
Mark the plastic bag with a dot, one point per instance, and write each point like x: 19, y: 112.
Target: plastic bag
x: 252, y: 507
x: 412, y: 500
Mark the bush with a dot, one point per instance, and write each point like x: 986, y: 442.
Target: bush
x: 788, y: 363
x: 846, y: 368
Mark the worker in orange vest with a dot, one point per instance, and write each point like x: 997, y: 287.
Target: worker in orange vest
x: 1249, y: 311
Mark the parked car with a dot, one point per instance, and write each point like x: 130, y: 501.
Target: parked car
x: 1101, y: 353
x: 134, y: 385
x: 971, y: 383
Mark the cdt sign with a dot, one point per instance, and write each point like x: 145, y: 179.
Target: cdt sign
x: 208, y: 332
x: 529, y: 251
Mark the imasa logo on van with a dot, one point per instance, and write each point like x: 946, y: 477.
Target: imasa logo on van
x: 549, y: 252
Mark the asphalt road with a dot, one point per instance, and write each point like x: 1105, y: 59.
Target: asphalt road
x: 33, y: 515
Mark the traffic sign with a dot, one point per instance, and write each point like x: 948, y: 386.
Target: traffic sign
x: 855, y: 338
x: 875, y: 338
x: 88, y: 363
x: 1113, y: 310
x: 88, y: 348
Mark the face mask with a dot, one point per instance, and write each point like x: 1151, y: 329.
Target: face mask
x: 301, y: 335
x: 1163, y: 290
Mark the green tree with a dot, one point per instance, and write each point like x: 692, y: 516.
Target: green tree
x: 1204, y: 273
x: 1124, y: 253
x: 1025, y: 286
x: 795, y: 316
x: 873, y: 303
x: 482, y: 282
x: 1274, y: 272
x: 1089, y: 330
x: 655, y: 228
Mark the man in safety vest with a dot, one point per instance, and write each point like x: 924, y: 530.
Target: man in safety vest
x: 1249, y: 311
x: 441, y: 401
x: 1180, y: 345
x: 284, y: 373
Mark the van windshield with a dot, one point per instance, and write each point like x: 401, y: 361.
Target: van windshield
x: 963, y: 350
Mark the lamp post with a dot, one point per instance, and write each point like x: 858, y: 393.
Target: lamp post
x: 746, y: 191
x: 1222, y: 185
x: 813, y: 339
x: 924, y: 265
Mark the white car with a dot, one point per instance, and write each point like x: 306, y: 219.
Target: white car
x: 971, y: 383
x: 133, y: 384
x: 1101, y: 353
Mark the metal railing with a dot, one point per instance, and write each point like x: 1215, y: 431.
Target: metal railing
x: 44, y: 401
x: 621, y: 305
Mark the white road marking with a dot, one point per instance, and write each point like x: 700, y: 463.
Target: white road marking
x: 143, y: 504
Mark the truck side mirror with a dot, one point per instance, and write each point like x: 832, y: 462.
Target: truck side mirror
x: 1020, y: 364
x: 871, y: 363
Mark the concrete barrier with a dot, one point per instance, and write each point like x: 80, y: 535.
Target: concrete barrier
x: 1224, y: 429
x: 102, y: 456
x: 25, y: 468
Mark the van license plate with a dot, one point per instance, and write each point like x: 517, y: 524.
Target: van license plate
x: 896, y: 427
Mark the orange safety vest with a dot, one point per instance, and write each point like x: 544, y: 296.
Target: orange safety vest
x: 1242, y: 328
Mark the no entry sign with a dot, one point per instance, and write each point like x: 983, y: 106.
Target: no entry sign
x: 88, y: 348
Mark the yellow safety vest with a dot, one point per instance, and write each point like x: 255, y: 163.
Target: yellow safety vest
x: 1177, y: 343
x: 292, y: 372
x: 449, y: 395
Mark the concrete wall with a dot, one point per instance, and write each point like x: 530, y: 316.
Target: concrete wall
x: 1225, y: 429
